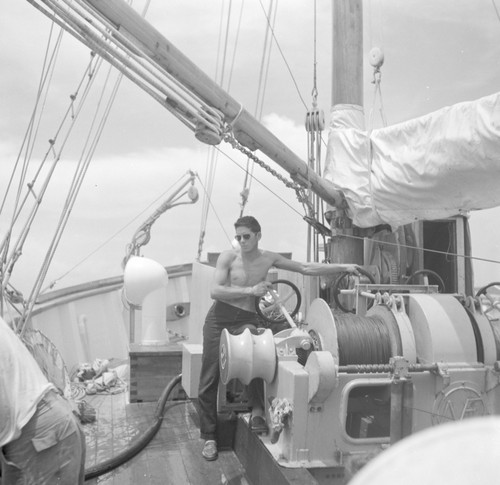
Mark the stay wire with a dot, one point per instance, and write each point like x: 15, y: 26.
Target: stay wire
x: 259, y: 181
x: 16, y: 250
x: 315, y: 60
x: 236, y: 42
x: 112, y: 45
x: 284, y: 59
x: 82, y: 167
x: 52, y: 141
x: 261, y: 91
x: 46, y: 73
x: 39, y: 196
x: 313, y: 150
x: 78, y: 178
x: 80, y: 170
x: 353, y: 237
x: 265, y: 60
x: 205, y: 190
x: 426, y: 250
x: 497, y: 13
x: 113, y: 236
x: 212, y: 160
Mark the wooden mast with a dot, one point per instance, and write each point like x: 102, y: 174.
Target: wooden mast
x: 347, y: 88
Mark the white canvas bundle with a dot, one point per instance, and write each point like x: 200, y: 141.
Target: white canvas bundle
x: 435, y: 166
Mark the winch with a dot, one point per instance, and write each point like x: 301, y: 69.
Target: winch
x: 343, y: 385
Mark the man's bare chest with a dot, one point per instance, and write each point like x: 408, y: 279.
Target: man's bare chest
x: 248, y: 273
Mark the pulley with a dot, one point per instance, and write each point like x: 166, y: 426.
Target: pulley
x: 376, y: 57
x: 353, y: 339
x: 209, y: 128
x: 315, y: 120
x: 207, y: 134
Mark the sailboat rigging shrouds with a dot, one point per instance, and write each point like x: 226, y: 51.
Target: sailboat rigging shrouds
x: 104, y: 38
x: 37, y: 190
x: 56, y: 149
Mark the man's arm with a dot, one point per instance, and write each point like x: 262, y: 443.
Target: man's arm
x: 222, y: 290
x: 314, y: 269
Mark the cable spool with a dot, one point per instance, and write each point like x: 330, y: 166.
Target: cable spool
x: 364, y: 340
x: 352, y: 339
x: 361, y: 340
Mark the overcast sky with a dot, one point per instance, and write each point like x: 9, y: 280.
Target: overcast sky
x: 437, y: 53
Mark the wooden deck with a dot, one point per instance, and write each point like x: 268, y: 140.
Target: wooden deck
x: 172, y: 457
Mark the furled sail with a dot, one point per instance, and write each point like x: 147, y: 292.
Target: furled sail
x: 435, y: 166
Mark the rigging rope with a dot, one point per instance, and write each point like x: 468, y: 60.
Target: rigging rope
x: 376, y: 58
x: 81, y: 169
x: 117, y: 34
x: 113, y: 46
x: 262, y: 184
x: 212, y: 154
x: 286, y: 62
x: 5, y: 269
x: 226, y: 39
x: 215, y: 213
x: 265, y: 60
x: 238, y: 30
x: 301, y: 196
x: 142, y: 236
x: 110, y: 43
x: 113, y: 236
x: 261, y: 90
x: 17, y: 247
x: 377, y: 94
x: 496, y: 9
x: 314, y: 126
x: 80, y: 172
x: 47, y: 70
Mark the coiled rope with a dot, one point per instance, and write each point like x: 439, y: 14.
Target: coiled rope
x: 363, y: 340
x: 369, y: 340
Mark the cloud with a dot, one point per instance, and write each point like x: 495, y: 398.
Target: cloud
x: 144, y: 149
x: 119, y: 193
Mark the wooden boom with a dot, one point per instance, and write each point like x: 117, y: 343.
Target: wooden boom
x: 247, y: 129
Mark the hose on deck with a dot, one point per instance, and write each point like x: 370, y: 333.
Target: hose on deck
x: 139, y: 444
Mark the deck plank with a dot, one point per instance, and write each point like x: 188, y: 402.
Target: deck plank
x: 199, y: 470
x: 172, y: 457
x: 166, y: 467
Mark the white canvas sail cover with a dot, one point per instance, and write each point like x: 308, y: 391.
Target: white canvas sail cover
x: 435, y: 166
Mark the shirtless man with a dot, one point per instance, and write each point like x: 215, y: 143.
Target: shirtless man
x: 240, y: 276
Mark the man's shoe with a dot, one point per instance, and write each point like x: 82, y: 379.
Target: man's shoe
x: 210, y: 450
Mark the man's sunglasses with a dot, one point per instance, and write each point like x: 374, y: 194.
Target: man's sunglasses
x: 246, y: 237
